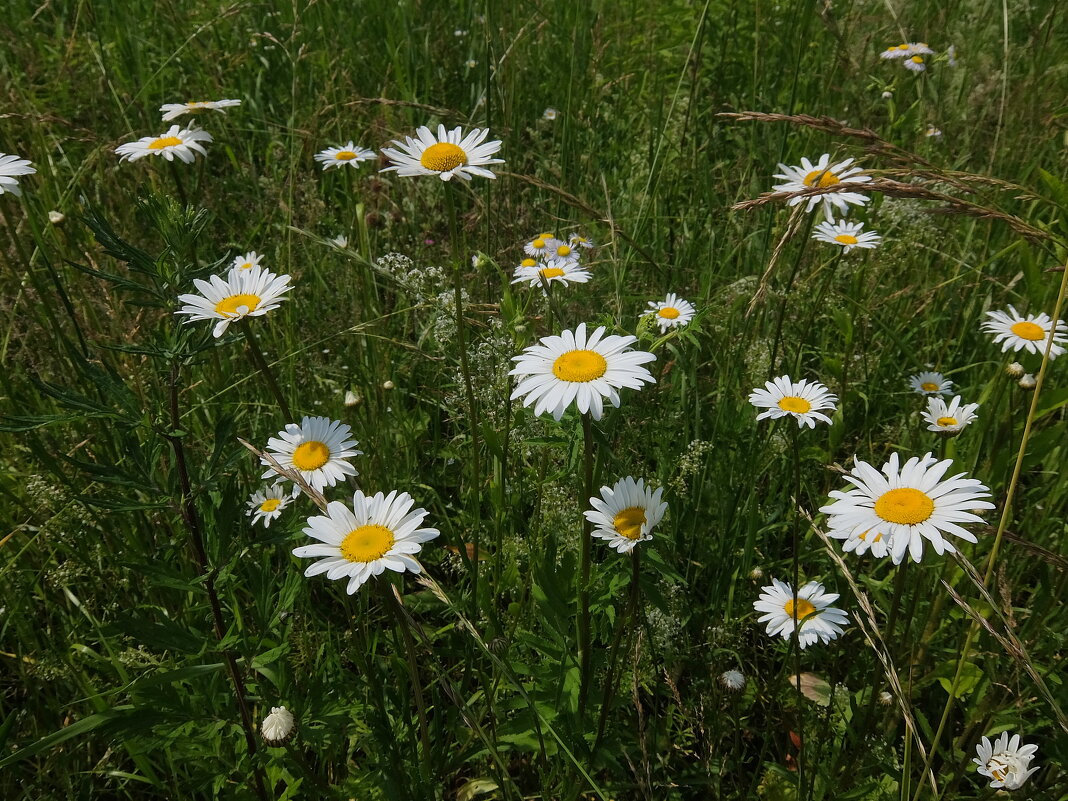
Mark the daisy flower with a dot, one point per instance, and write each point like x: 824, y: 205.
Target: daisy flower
x: 266, y: 505
x: 450, y: 153
x: 550, y: 114
x: 809, y: 610
x: 914, y: 63
x: 626, y: 513
x: 823, y: 174
x: 948, y: 419
x: 317, y: 448
x: 1028, y: 333
x: 909, y: 49
x: 574, y: 368
x: 278, y: 727
x: 562, y: 250
x: 895, y: 51
x: 246, y: 262
x: 346, y: 154
x: 896, y: 510
x: 378, y: 532
x: 181, y: 142
x: 541, y: 246
x: 243, y: 293
x: 1006, y: 761
x: 671, y: 312
x: 846, y: 234
x: 172, y: 111
x: 930, y: 384
x: 553, y: 271
x: 803, y: 399
x: 577, y: 241
x: 10, y: 168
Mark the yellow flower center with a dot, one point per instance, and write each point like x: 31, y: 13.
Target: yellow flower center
x: 563, y: 251
x: 348, y: 155
x: 1026, y: 330
x: 229, y: 305
x: 310, y: 455
x: 905, y: 505
x: 367, y: 543
x: 916, y: 59
x: 580, y: 366
x: 527, y: 263
x: 538, y: 243
x: 799, y: 610
x: 929, y: 386
x: 821, y: 178
x: 270, y: 505
x: 902, y: 47
x: 546, y: 235
x: 164, y: 141
x: 443, y: 156
x: 629, y: 522
x: 668, y: 313
x: 792, y: 403
x: 846, y: 239
x: 946, y: 421
x: 246, y: 266
x: 552, y: 272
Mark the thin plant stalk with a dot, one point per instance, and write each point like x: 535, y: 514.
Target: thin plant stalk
x: 626, y: 623
x: 795, y: 524
x: 265, y: 370
x: 394, y: 604
x: 584, y: 569
x: 191, y: 516
x: 1003, y: 522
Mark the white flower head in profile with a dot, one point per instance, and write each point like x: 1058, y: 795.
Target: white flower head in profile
x: 172, y: 111
x: 1031, y: 332
x: 810, y: 611
x: 11, y: 167
x: 177, y: 142
x: 671, y: 312
x: 803, y: 400
x: 823, y: 175
x: 928, y: 383
x: 278, y: 727
x: 626, y: 513
x: 846, y: 235
x: 948, y: 419
x: 552, y: 271
x: 1006, y: 763
x: 246, y: 261
x: 267, y: 504
x: 348, y: 154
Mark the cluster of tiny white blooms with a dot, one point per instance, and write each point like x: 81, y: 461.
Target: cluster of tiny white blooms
x: 626, y: 513
x: 809, y: 610
x: 246, y: 261
x: 580, y: 369
x: 1030, y: 333
x: 733, y: 680
x: 823, y: 174
x: 1006, y: 763
x: 183, y: 143
x: 243, y: 293
x: 379, y: 532
x: 804, y: 400
x: 951, y: 418
x: 278, y: 727
x: 553, y: 270
x: 317, y: 448
x: 928, y: 383
x: 172, y: 111
x: 10, y: 168
x: 346, y: 154
x: 450, y: 153
x: 266, y: 505
x: 692, y: 460
x: 846, y: 235
x: 671, y: 312
x: 891, y: 513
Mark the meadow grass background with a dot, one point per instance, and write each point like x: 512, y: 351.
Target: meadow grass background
x: 114, y: 683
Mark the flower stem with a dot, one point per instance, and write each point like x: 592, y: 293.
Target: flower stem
x: 625, y: 623
x: 584, y: 569
x: 401, y: 619
x: 796, y: 539
x: 265, y: 370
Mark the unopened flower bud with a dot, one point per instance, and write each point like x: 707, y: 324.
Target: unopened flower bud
x: 388, y: 385
x: 1015, y: 370
x: 352, y: 399
x: 1027, y: 382
x: 56, y: 217
x: 278, y: 727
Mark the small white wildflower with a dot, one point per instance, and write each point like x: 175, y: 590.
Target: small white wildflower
x: 733, y: 680
x: 278, y: 727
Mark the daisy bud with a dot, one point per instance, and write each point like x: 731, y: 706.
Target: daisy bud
x: 756, y: 574
x: 885, y: 698
x: 1027, y: 382
x: 352, y: 399
x: 278, y: 727
x: 887, y: 95
x: 1015, y: 370
x: 56, y: 217
x: 388, y: 385
x: 732, y: 680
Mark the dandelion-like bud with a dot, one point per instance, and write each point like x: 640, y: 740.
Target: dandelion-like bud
x: 1027, y: 382
x: 733, y: 680
x: 56, y: 217
x: 387, y: 385
x: 278, y: 727
x: 352, y: 399
x: 885, y: 698
x: 1015, y: 370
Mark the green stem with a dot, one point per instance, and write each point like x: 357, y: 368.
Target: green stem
x: 796, y: 540
x: 265, y: 370
x: 626, y: 623
x: 401, y: 619
x: 584, y: 571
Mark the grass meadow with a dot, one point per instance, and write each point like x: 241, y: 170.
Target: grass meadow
x: 148, y: 626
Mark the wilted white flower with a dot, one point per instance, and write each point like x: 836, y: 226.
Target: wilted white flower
x: 278, y: 727
x: 1005, y: 762
x: 733, y: 680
